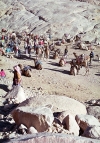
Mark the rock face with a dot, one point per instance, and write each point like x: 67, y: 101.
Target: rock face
x: 41, y: 118
x: 53, y: 138
x: 59, y: 17
x: 59, y: 103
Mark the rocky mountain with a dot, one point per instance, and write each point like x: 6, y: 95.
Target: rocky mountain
x: 57, y: 17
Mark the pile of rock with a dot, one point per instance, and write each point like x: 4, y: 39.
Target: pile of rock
x: 47, y: 114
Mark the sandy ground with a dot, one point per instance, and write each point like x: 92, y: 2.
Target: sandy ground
x: 54, y: 79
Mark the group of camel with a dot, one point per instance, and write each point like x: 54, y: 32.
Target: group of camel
x: 76, y: 63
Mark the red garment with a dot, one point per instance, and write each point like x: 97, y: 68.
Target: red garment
x: 2, y: 74
x: 41, y: 42
x: 2, y: 37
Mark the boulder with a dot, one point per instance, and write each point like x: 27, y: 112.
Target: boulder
x: 52, y: 138
x: 92, y: 132
x: 85, y: 121
x: 16, y: 93
x: 94, y: 110
x: 71, y: 125
x: 59, y: 103
x: 41, y: 118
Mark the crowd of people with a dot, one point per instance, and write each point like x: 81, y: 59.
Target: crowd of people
x: 10, y: 42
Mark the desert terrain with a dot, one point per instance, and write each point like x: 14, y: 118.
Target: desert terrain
x: 53, y: 79
x: 70, y: 17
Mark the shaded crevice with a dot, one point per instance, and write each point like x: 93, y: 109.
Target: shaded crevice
x: 32, y: 12
x: 42, y: 18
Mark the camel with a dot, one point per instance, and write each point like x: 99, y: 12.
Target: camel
x: 62, y: 62
x: 82, y: 61
x: 74, y: 69
x: 55, y: 55
x: 25, y: 71
x: 52, y: 46
x: 38, y: 64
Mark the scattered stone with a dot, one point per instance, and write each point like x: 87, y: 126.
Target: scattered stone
x: 94, y: 111
x: 85, y: 121
x: 92, y: 132
x: 16, y: 93
x: 22, y: 129
x: 32, y: 130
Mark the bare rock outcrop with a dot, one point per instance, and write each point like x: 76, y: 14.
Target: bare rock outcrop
x: 85, y: 121
x: 71, y: 16
x: 59, y: 104
x: 40, y: 118
x: 52, y: 137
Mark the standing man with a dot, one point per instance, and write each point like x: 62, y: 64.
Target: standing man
x: 66, y: 52
x: 91, y: 56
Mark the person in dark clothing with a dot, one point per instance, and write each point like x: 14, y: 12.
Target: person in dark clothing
x: 91, y: 56
x: 66, y: 51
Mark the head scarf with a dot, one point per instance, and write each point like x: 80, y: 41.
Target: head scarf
x: 17, y: 68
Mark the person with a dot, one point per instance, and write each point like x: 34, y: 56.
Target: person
x: 66, y: 51
x: 2, y: 74
x: 91, y: 56
x: 17, y: 76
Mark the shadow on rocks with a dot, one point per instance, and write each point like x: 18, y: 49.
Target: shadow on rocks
x: 4, y: 87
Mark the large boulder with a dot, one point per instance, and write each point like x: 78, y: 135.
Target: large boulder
x: 59, y: 103
x: 52, y: 138
x: 85, y: 121
x: 41, y: 118
x: 17, y: 93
